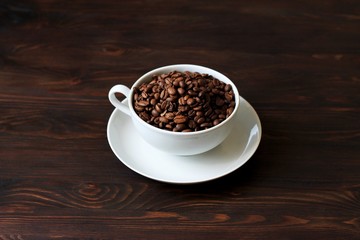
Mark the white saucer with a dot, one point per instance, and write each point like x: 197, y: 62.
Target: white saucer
x: 144, y: 159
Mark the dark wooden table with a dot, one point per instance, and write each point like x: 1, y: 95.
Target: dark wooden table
x: 297, y: 63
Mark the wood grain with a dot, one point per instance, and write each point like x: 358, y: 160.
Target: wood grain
x: 297, y: 63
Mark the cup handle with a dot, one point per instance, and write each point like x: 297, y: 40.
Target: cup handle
x: 115, y: 102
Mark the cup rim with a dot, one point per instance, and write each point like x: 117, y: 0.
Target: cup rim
x: 165, y: 68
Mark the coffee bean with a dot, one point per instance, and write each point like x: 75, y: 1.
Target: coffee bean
x: 200, y: 120
x: 183, y: 108
x: 179, y: 79
x: 192, y: 124
x: 215, y: 91
x: 164, y: 105
x: 190, y: 101
x: 158, y: 108
x: 162, y: 94
x: 208, y: 112
x: 181, y: 91
x: 138, y: 108
x: 227, y: 88
x: 202, y: 82
x: 219, y: 101
x: 192, y: 92
x: 144, y: 116
x: 180, y: 119
x: 182, y: 84
x: 216, y: 122
x: 157, y: 95
x: 179, y: 127
x: 198, y: 108
x: 153, y: 101
x: 206, y: 125
x: 155, y: 113
x: 143, y: 103
x: 181, y: 101
x: 170, y: 115
x: 222, y: 116
x: 228, y: 96
x: 156, y: 121
x: 199, y: 113
x: 144, y: 94
x: 171, y: 90
x: 187, y: 130
x: 213, y: 116
x: 176, y: 74
x: 229, y: 111
x: 163, y: 119
x: 191, y: 113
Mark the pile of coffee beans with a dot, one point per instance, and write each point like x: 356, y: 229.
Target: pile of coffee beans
x: 184, y: 101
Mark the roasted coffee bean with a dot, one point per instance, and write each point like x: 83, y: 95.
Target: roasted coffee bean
x: 158, y: 108
x: 181, y: 91
x: 183, y: 108
x: 171, y: 106
x: 192, y: 124
x: 184, y: 101
x: 191, y: 113
x: 144, y: 116
x: 170, y: 115
x: 192, y: 92
x: 153, y: 101
x: 182, y: 84
x: 180, y: 119
x: 200, y: 120
x: 215, y: 91
x: 171, y: 90
x: 198, y: 108
x: 190, y: 101
x: 143, y: 103
x: 208, y: 112
x: 228, y: 96
x: 202, y: 82
x: 164, y: 105
x: 163, y: 119
x: 157, y: 95
x: 216, y: 122
x: 139, y: 108
x: 229, y: 111
x: 144, y: 94
x: 179, y: 127
x: 154, y: 113
x: 222, y: 116
x: 162, y: 94
x: 156, y: 121
x: 176, y: 74
x: 227, y: 88
x: 199, y: 113
x: 213, y: 116
x: 219, y: 101
x: 187, y: 130
x: 206, y: 125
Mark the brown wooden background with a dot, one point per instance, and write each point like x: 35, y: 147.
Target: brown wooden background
x: 297, y: 63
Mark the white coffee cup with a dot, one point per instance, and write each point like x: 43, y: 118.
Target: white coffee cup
x: 177, y: 143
